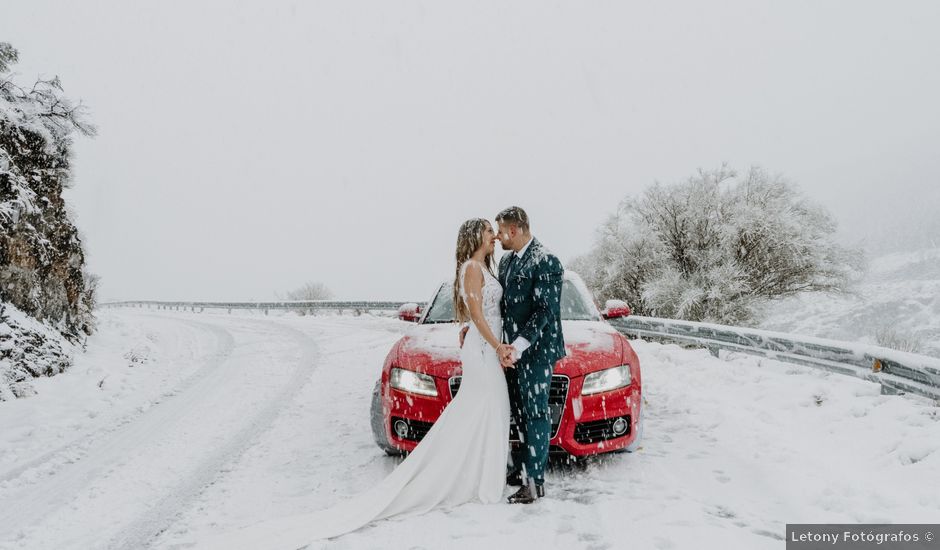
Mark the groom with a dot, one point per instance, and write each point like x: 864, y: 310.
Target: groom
x: 531, y: 308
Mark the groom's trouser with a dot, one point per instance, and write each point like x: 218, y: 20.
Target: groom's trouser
x: 528, y: 399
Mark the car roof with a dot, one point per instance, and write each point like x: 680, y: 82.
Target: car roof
x: 568, y: 275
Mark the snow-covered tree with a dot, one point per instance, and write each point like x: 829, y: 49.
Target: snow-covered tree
x: 716, y: 248
x: 8, y: 56
x: 41, y: 255
x: 311, y: 291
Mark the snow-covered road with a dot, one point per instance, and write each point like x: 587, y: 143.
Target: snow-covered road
x: 175, y: 425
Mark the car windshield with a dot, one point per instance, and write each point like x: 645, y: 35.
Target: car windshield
x: 574, y: 305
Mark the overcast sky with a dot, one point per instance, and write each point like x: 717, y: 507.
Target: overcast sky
x: 248, y: 147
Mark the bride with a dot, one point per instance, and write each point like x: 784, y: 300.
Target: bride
x: 461, y: 459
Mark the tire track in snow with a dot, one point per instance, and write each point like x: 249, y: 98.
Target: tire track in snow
x: 161, y: 515
x: 106, y: 452
x: 81, y: 445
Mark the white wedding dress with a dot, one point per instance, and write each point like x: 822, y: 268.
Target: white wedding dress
x: 462, y: 458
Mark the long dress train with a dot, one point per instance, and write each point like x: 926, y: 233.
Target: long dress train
x: 462, y: 458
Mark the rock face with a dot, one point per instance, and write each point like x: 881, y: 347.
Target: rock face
x: 41, y: 256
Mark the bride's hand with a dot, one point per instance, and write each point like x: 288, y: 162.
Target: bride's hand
x: 505, y: 354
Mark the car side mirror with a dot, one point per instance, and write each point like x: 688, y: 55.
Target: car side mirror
x: 410, y: 312
x: 615, y: 309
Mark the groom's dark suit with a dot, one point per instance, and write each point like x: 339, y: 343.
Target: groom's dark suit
x: 531, y: 308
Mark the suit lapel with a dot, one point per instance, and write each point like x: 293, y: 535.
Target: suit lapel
x: 527, y: 257
x: 518, y: 265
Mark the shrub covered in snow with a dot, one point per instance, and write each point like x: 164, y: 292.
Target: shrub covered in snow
x: 311, y: 291
x: 889, y: 337
x: 41, y: 257
x: 716, y: 247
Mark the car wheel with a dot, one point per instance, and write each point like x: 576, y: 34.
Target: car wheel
x: 378, y: 422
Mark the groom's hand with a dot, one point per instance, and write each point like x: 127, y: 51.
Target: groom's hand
x: 506, y: 355
x: 463, y: 334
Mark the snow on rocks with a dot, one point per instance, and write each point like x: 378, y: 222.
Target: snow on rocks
x: 28, y: 349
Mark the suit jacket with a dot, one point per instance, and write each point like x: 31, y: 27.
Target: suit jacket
x: 531, y: 304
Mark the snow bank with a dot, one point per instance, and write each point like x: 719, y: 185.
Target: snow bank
x: 28, y: 349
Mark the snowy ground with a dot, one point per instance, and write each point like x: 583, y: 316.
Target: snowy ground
x: 178, y: 424
x: 896, y: 304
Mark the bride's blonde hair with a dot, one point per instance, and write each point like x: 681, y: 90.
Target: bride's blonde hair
x: 469, y: 240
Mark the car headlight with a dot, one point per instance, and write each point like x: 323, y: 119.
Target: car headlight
x: 606, y: 380
x: 413, y: 382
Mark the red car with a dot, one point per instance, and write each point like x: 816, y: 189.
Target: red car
x: 595, y: 393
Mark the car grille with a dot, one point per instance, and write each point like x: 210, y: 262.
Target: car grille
x: 416, y: 428
x: 599, y: 430
x: 557, y: 397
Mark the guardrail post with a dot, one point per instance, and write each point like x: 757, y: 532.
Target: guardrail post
x: 713, y: 350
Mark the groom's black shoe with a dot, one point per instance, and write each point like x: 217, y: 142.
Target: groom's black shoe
x: 525, y: 495
x: 514, y: 479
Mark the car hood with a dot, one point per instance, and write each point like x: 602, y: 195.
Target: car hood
x: 590, y: 346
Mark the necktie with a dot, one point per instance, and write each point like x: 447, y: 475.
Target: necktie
x: 512, y: 261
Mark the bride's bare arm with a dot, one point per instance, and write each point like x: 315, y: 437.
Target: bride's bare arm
x: 473, y: 287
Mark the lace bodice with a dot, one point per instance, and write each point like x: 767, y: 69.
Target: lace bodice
x: 492, y: 294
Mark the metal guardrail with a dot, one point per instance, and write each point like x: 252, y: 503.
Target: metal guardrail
x: 895, y: 371
x: 303, y: 305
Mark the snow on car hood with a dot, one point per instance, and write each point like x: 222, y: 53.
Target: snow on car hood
x: 438, y: 342
x: 434, y: 349
x: 591, y: 346
x: 590, y: 336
